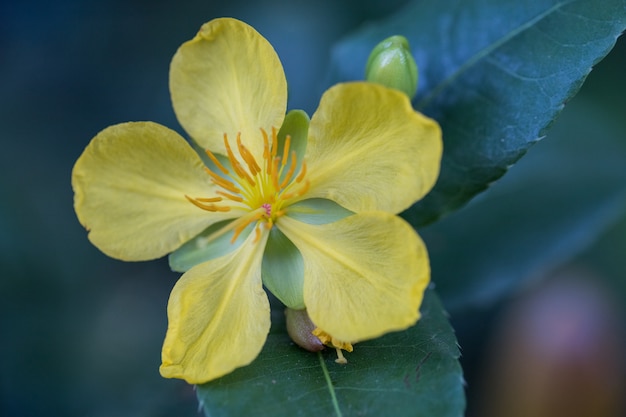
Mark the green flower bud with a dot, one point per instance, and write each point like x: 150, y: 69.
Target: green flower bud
x: 392, y: 65
x: 300, y: 329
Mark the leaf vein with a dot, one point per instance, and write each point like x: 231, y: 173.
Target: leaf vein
x: 485, y: 52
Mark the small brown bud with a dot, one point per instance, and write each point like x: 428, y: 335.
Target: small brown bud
x: 300, y: 328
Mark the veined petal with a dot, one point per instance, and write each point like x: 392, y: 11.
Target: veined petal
x: 129, y: 191
x: 219, y: 316
x: 369, y: 150
x: 228, y: 79
x: 364, y: 275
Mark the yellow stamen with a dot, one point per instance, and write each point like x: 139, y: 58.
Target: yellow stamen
x: 300, y: 192
x: 207, y: 207
x: 292, y: 169
x: 245, y: 221
x: 331, y: 341
x: 302, y: 173
x: 262, y: 190
x: 247, y: 157
x: 266, y: 151
x: 275, y: 141
x: 257, y: 232
x: 340, y: 358
x: 286, y: 149
x: 241, y: 173
x: 210, y: 200
x: 236, y: 198
x: 217, y: 163
x: 222, y: 182
x: 275, y: 173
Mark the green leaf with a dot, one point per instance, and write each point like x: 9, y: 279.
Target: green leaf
x: 410, y: 373
x: 494, y: 74
x: 556, y: 202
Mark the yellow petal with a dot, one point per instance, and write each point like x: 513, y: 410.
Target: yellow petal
x: 219, y: 316
x: 369, y: 150
x: 129, y: 191
x: 364, y: 275
x: 228, y: 79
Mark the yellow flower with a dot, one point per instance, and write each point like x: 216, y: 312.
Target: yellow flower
x: 307, y: 210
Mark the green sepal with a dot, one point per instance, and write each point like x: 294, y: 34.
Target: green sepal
x: 205, y: 247
x: 282, y: 270
x: 317, y: 211
x: 296, y: 125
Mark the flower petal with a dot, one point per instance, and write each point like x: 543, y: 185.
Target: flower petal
x: 219, y: 316
x: 364, y: 275
x: 228, y: 79
x: 130, y: 185
x: 369, y: 150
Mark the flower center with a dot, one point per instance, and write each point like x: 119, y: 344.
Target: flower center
x: 261, y: 191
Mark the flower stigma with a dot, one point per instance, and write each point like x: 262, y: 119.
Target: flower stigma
x: 262, y: 192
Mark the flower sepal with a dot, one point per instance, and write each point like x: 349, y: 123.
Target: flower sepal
x: 296, y: 126
x: 210, y: 244
x: 283, y: 270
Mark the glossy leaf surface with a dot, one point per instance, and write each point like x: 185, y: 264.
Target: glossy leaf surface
x: 415, y: 372
x: 494, y: 74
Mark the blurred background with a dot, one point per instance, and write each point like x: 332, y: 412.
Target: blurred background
x: 80, y: 333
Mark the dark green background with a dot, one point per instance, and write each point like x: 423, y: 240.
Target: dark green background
x: 80, y: 334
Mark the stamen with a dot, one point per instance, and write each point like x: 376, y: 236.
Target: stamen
x: 266, y: 151
x: 217, y: 163
x: 257, y: 236
x: 247, y: 157
x: 302, y: 173
x: 234, y: 163
x: 340, y: 358
x: 301, y: 191
x: 210, y: 200
x: 274, y: 142
x: 222, y: 182
x: 292, y: 169
x: 275, y: 173
x: 255, y: 215
x: 234, y: 224
x: 259, y: 190
x: 207, y: 207
x: 236, y: 198
x: 286, y: 149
